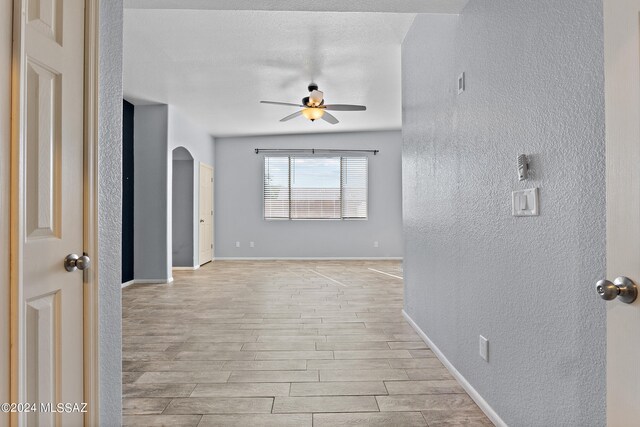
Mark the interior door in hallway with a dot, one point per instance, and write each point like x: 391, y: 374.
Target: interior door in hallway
x: 622, y: 93
x: 206, y: 214
x: 47, y: 206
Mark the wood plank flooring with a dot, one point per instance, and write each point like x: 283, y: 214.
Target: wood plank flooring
x: 282, y: 343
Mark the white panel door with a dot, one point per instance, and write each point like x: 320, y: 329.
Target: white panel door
x: 48, y: 206
x: 622, y: 93
x: 206, y: 213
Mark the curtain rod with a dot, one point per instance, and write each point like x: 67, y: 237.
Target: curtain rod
x: 312, y: 150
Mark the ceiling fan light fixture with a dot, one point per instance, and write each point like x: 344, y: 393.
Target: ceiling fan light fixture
x: 314, y: 108
x: 315, y: 98
x: 313, y: 113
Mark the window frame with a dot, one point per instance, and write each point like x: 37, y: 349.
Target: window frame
x: 314, y: 156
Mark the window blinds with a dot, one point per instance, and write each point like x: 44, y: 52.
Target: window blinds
x: 315, y: 187
x: 354, y: 187
x: 276, y: 187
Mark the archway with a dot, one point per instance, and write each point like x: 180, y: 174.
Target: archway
x: 182, y: 202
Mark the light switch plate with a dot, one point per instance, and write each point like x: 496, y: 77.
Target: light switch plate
x: 484, y: 348
x: 525, y: 202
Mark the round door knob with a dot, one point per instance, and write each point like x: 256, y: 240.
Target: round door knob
x: 622, y: 288
x: 607, y: 290
x: 73, y: 262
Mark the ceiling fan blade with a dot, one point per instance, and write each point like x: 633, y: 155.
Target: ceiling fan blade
x: 291, y: 116
x: 316, y: 96
x: 329, y: 118
x: 345, y: 107
x: 281, y: 103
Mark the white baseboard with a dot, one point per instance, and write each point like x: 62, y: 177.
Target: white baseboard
x: 148, y: 282
x: 195, y: 267
x: 486, y: 408
x: 309, y: 259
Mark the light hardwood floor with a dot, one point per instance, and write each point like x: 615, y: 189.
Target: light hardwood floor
x: 282, y: 343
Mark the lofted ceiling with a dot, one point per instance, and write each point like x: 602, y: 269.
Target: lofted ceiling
x: 216, y: 65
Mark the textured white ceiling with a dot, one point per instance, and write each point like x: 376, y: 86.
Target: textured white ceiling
x: 215, y: 66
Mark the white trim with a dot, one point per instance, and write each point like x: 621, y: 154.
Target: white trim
x: 6, y: 29
x: 473, y: 393
x: 152, y: 281
x: 309, y: 258
x: 91, y: 303
x: 129, y: 283
x: 18, y: 379
x: 195, y: 267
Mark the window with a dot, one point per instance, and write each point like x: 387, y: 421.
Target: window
x: 315, y: 187
x: 276, y: 187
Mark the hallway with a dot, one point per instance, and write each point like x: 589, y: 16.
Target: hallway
x: 282, y: 343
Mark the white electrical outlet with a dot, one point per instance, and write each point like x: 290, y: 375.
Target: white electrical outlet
x: 252, y: 245
x: 484, y: 348
x: 375, y: 244
x: 237, y: 244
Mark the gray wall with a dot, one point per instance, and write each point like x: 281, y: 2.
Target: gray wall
x: 182, y: 132
x: 109, y: 211
x: 182, y: 213
x: 534, y: 74
x: 152, y: 248
x: 239, y: 205
x: 158, y: 130
x: 185, y: 133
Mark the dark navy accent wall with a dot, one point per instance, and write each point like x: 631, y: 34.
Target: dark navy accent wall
x: 127, y: 191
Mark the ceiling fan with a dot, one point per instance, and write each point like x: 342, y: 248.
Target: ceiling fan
x: 313, y: 107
